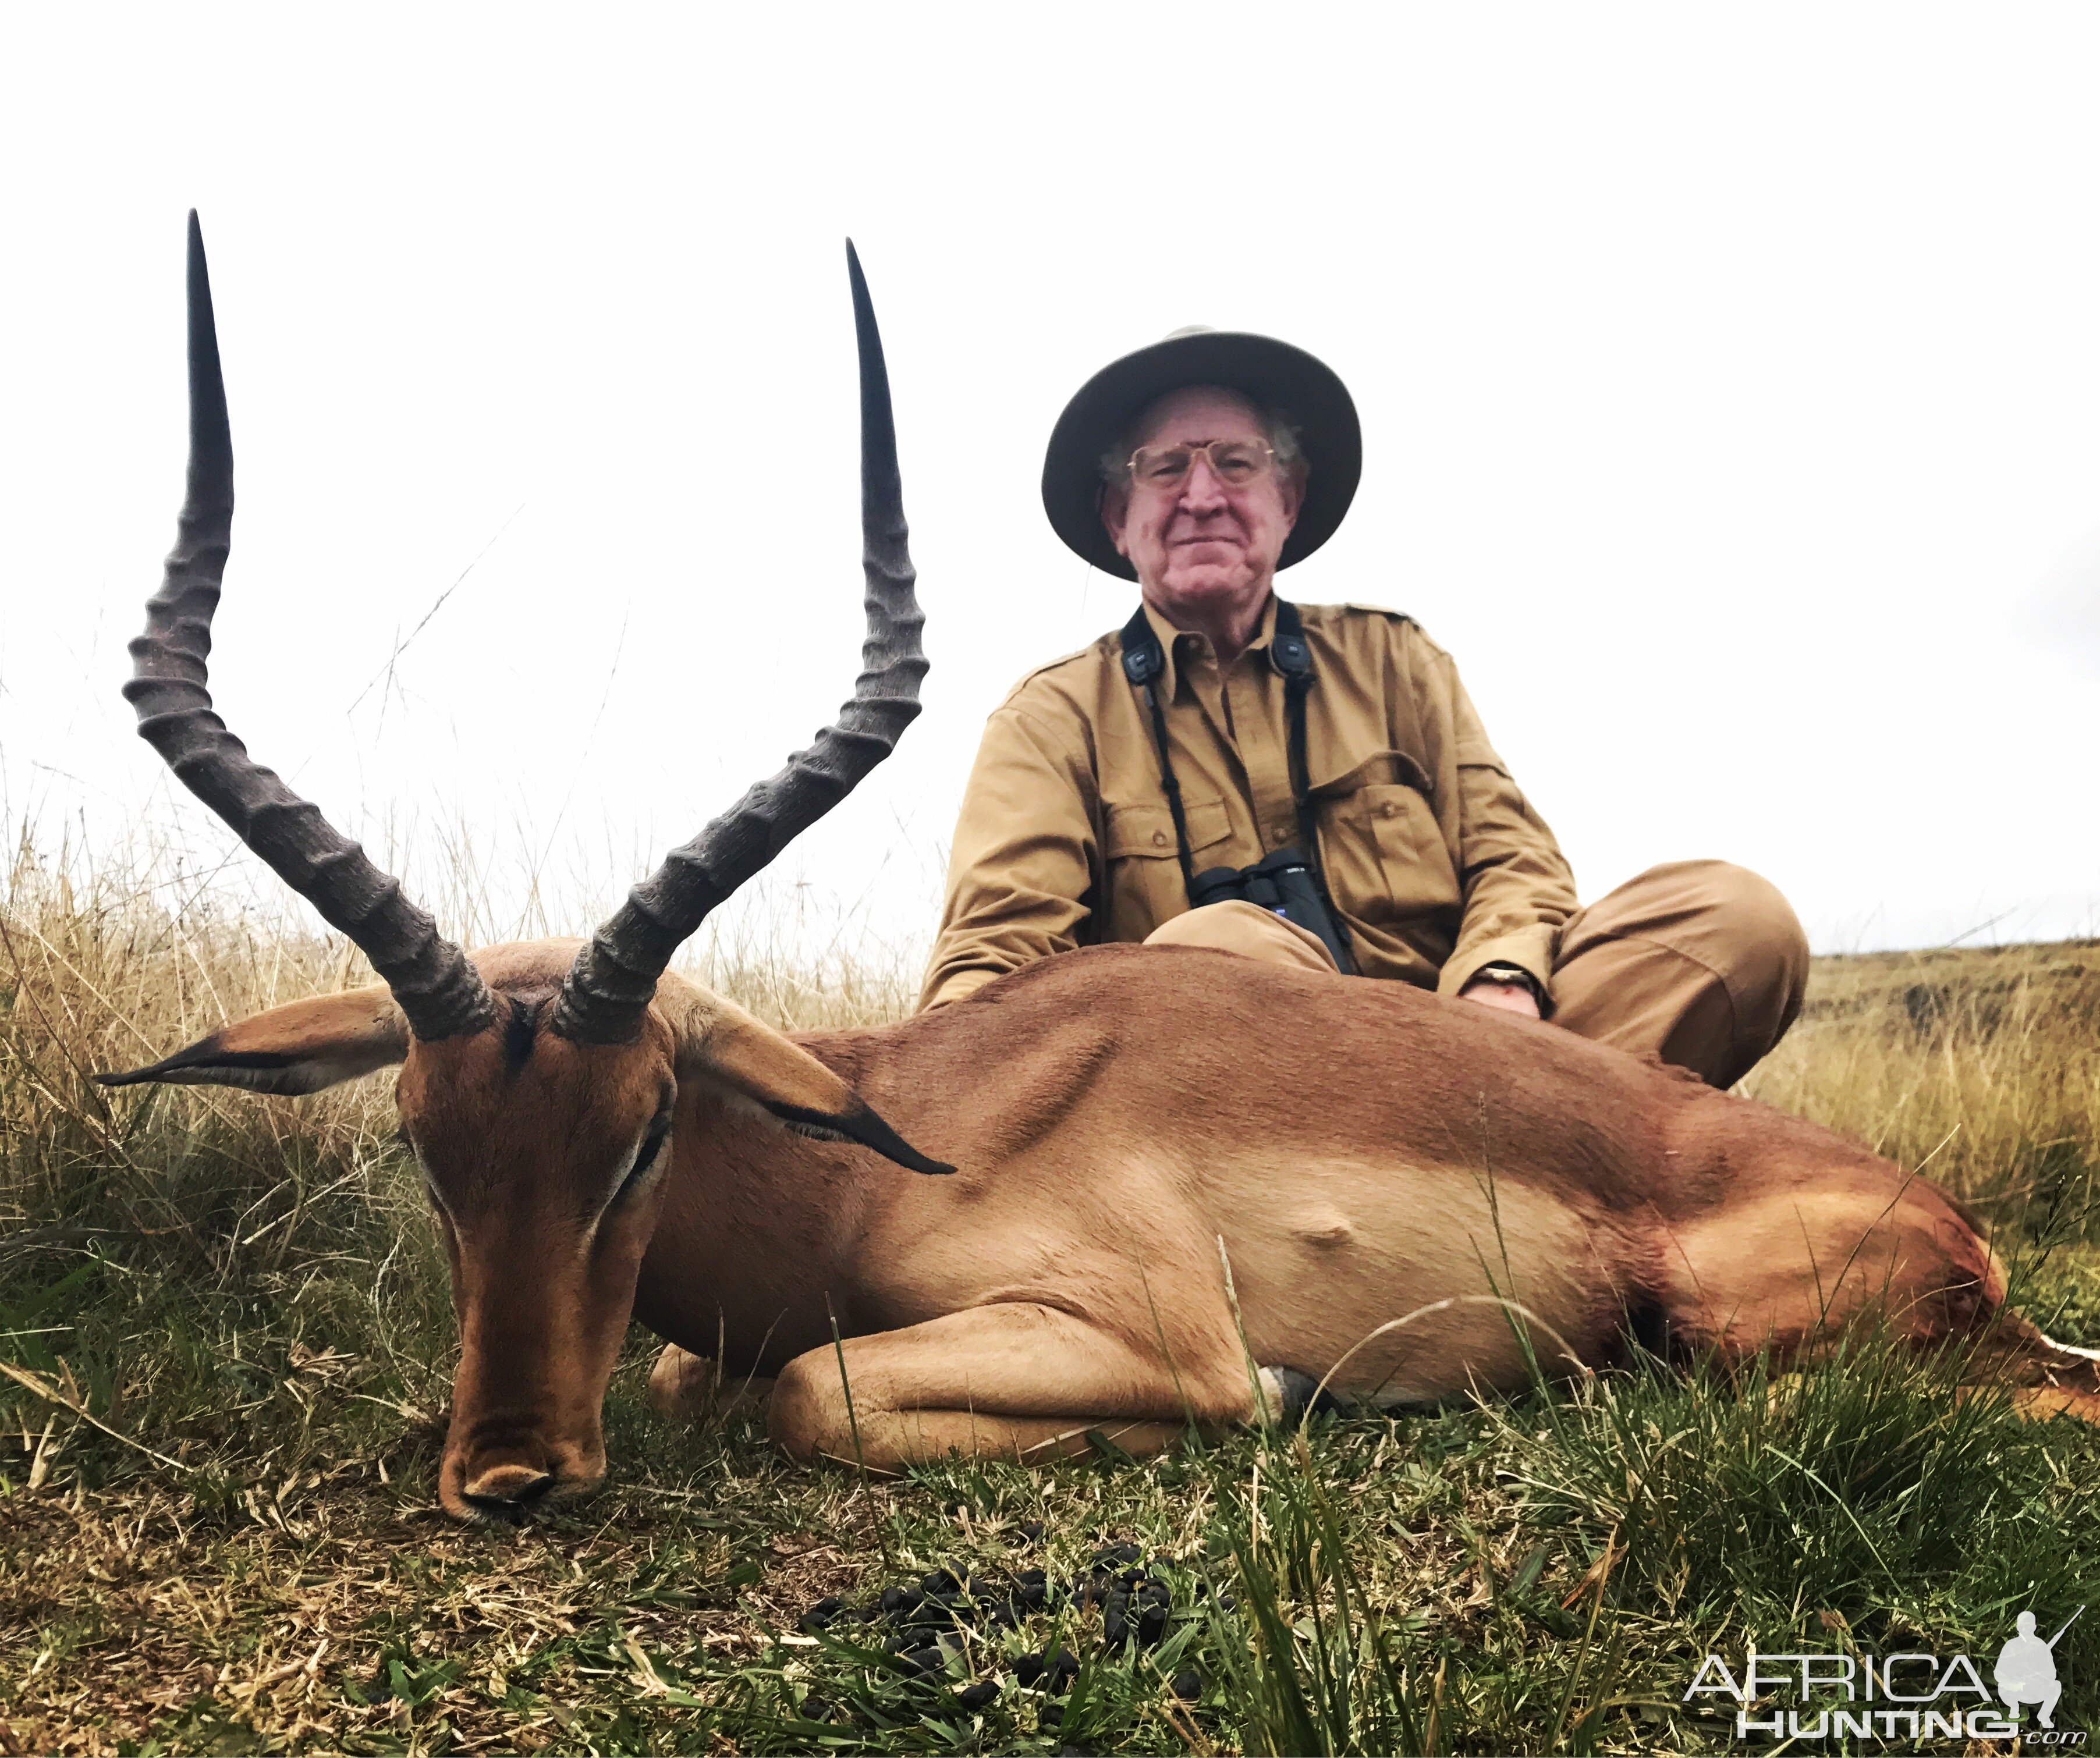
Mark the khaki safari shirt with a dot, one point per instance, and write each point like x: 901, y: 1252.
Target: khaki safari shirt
x: 1435, y: 862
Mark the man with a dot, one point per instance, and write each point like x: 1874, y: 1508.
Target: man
x: 1223, y: 725
x: 2026, y: 1672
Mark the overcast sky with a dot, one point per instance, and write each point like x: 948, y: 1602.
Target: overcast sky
x: 1730, y: 381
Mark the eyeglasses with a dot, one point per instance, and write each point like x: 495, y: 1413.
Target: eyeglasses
x: 1234, y: 462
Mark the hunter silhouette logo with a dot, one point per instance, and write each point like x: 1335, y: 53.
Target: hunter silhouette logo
x: 1915, y: 1696
x: 2026, y: 1672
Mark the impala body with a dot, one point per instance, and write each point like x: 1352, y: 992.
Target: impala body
x: 1152, y: 1164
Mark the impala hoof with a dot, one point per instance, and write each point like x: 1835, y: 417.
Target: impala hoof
x: 1292, y: 1394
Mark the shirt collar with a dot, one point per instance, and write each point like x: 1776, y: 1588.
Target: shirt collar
x: 1169, y: 636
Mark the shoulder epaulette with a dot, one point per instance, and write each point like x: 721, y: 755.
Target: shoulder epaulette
x: 1049, y: 666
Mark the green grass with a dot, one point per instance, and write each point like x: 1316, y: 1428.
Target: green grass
x: 252, y: 1291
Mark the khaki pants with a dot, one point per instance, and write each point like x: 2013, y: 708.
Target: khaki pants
x: 1699, y: 962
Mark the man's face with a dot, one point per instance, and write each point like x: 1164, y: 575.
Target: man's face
x: 1203, y: 548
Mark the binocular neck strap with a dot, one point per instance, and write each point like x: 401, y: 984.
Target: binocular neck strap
x: 1145, y: 663
x: 1292, y: 658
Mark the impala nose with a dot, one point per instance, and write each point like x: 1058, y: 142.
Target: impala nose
x: 504, y: 1488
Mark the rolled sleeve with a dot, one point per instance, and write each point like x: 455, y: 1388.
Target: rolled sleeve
x: 1518, y: 890
x: 1023, y: 869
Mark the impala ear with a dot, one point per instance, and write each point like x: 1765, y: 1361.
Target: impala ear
x: 300, y: 1047
x: 722, y: 1045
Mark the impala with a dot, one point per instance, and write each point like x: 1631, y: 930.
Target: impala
x: 1151, y: 1168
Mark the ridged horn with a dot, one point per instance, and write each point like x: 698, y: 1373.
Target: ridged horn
x: 608, y: 986
x: 439, y: 991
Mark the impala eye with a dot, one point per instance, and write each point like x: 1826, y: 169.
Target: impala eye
x: 652, y: 1145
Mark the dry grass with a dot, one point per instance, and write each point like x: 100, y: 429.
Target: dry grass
x: 1987, y: 1063
x: 252, y: 1289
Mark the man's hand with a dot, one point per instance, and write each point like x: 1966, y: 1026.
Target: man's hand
x: 1505, y: 998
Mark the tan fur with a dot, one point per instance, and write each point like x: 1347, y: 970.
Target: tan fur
x: 1131, y: 1128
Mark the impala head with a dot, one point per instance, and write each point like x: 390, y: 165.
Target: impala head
x: 540, y: 1083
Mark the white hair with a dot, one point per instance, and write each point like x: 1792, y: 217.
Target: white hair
x: 1276, y: 425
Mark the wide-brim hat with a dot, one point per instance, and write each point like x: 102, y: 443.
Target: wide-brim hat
x: 1310, y: 393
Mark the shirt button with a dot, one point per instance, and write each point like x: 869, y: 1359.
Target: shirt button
x: 1387, y: 810
x: 1159, y: 838
x: 1279, y: 832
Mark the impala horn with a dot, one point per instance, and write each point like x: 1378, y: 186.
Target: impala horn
x: 438, y: 990
x: 610, y: 985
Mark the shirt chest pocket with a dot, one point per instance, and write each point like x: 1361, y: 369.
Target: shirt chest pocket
x: 1386, y: 857
x: 1139, y: 849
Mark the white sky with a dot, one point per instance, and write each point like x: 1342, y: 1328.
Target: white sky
x: 1730, y: 377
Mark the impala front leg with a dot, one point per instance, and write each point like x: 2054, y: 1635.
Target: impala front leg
x: 1014, y: 1380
